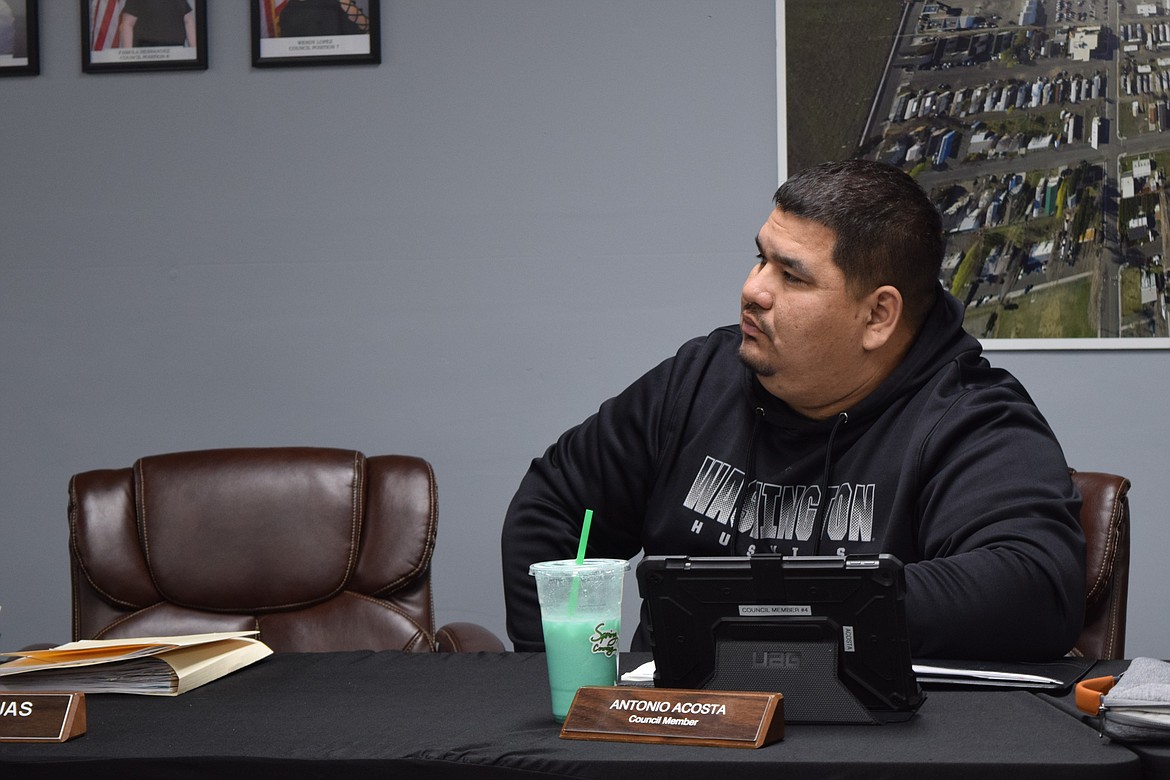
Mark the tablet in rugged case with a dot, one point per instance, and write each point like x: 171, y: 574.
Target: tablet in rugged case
x: 828, y: 633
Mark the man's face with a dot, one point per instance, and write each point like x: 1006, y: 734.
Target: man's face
x: 802, y: 328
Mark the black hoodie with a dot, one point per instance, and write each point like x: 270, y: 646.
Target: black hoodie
x: 948, y: 465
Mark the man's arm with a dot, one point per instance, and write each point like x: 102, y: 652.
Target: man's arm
x: 606, y: 464
x: 539, y: 526
x: 1003, y: 574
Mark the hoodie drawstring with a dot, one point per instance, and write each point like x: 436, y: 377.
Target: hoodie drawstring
x: 823, y: 506
x: 741, y: 524
x: 749, y: 477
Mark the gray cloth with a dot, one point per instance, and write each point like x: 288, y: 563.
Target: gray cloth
x: 1137, y: 708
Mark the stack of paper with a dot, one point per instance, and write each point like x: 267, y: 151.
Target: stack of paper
x: 155, y: 666
x: 1052, y: 675
x: 1047, y: 675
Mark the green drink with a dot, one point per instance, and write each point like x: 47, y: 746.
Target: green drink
x: 580, y: 607
x: 580, y: 651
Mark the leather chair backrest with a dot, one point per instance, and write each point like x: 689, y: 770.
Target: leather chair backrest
x: 319, y: 549
x: 1105, y: 520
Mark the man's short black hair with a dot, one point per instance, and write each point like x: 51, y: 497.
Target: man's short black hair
x: 888, y: 231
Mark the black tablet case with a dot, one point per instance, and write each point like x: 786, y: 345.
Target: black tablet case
x: 828, y: 633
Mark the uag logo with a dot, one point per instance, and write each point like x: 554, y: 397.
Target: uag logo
x: 775, y: 659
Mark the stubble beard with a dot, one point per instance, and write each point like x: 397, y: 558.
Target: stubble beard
x: 756, y: 362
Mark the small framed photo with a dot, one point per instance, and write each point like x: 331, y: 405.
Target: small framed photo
x: 315, y: 32
x: 134, y: 35
x: 19, y: 41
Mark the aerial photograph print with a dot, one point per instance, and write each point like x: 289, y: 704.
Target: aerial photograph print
x: 1041, y: 130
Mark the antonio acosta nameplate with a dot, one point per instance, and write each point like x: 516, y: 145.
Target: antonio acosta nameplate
x: 675, y: 716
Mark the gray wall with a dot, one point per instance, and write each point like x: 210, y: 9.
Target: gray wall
x: 456, y: 254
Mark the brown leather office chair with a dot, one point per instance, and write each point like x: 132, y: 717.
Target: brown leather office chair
x: 1105, y: 520
x: 318, y: 549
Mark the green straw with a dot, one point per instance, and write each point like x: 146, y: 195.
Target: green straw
x: 584, y: 536
x: 576, y: 584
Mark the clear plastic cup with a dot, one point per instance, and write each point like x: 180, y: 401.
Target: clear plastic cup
x: 581, y: 610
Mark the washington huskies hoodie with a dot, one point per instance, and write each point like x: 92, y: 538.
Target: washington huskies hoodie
x: 948, y: 465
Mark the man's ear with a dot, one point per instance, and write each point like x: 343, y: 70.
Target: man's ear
x: 884, y: 313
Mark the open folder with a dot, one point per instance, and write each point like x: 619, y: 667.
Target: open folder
x: 1051, y: 676
x: 154, y: 666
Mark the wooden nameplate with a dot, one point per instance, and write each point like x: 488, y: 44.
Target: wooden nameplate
x: 674, y: 716
x: 41, y: 717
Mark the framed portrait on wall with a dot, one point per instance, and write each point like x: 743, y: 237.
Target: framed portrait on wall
x: 19, y: 40
x: 1042, y: 138
x: 315, y: 32
x: 138, y: 35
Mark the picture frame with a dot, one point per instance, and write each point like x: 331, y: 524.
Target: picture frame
x: 164, y: 33
x: 289, y: 33
x: 19, y: 38
x: 1054, y: 232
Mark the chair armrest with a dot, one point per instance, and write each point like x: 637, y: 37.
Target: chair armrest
x: 467, y: 638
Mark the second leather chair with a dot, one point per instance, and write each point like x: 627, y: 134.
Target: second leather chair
x: 319, y: 549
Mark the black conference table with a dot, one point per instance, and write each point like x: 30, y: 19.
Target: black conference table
x: 390, y: 715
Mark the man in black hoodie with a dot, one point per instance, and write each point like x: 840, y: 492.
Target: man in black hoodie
x: 847, y: 412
